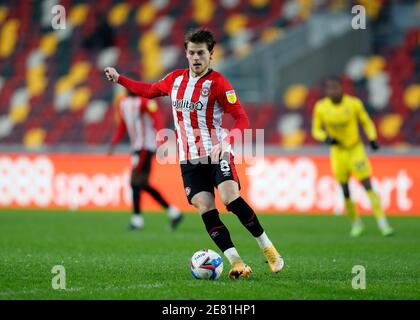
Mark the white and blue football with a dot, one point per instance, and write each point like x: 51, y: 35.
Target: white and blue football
x: 206, y: 264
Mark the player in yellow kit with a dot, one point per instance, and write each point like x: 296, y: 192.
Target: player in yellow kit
x: 335, y: 122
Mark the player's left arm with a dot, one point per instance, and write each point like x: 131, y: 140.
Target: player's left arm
x: 367, y: 123
x: 228, y: 100
x: 230, y: 103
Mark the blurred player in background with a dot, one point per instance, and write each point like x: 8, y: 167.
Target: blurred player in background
x: 335, y: 122
x: 140, y: 118
x: 199, y: 97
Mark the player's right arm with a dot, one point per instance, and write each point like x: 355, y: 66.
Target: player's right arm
x: 143, y: 89
x: 318, y: 131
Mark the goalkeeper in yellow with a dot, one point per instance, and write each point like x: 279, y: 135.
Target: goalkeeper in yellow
x: 335, y: 122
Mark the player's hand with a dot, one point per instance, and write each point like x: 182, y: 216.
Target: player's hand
x: 219, y: 150
x: 374, y: 145
x: 111, y: 74
x: 330, y: 141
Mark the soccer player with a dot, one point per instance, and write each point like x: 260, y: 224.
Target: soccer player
x: 199, y: 97
x: 140, y: 118
x: 335, y: 122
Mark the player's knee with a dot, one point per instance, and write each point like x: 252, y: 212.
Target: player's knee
x: 228, y: 196
x: 203, y: 203
x: 204, y: 207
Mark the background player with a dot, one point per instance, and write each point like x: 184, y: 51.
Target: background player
x: 140, y: 118
x: 335, y: 122
x: 199, y: 97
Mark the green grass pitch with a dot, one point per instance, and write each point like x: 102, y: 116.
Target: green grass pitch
x: 103, y: 260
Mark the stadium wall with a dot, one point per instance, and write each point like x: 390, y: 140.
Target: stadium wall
x: 274, y: 184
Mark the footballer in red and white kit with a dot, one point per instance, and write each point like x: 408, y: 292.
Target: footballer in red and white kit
x: 199, y: 98
x: 198, y: 104
x: 139, y: 117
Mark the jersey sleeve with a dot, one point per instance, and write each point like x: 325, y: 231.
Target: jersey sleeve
x: 165, y: 85
x: 226, y: 96
x: 365, y: 120
x: 318, y: 131
x: 148, y: 90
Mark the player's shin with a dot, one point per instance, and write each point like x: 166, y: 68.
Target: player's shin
x: 137, y: 220
x: 217, y: 230
x: 157, y: 196
x: 221, y: 237
x: 357, y: 227
x: 249, y: 219
x: 135, y: 192
x: 247, y: 216
x: 351, y: 210
x: 376, y: 205
x: 375, y: 202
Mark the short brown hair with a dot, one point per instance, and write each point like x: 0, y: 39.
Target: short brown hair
x: 200, y: 36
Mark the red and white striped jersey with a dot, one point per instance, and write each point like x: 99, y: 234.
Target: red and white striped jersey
x: 138, y: 117
x: 198, y: 104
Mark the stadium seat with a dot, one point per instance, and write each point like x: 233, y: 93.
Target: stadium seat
x: 59, y: 86
x: 118, y: 14
x: 78, y: 14
x: 34, y: 138
x: 295, y: 96
x: 9, y: 36
x: 146, y: 14
x: 390, y: 125
x: 412, y: 96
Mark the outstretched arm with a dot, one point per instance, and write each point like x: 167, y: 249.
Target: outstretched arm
x: 143, y: 89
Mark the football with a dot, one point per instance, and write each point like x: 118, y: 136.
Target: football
x: 206, y: 264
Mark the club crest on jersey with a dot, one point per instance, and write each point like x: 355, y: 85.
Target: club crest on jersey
x: 205, y: 92
x: 187, y: 191
x: 231, y: 96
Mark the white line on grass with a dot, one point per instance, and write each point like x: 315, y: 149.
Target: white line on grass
x: 32, y: 291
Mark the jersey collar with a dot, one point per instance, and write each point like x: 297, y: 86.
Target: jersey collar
x: 197, y: 78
